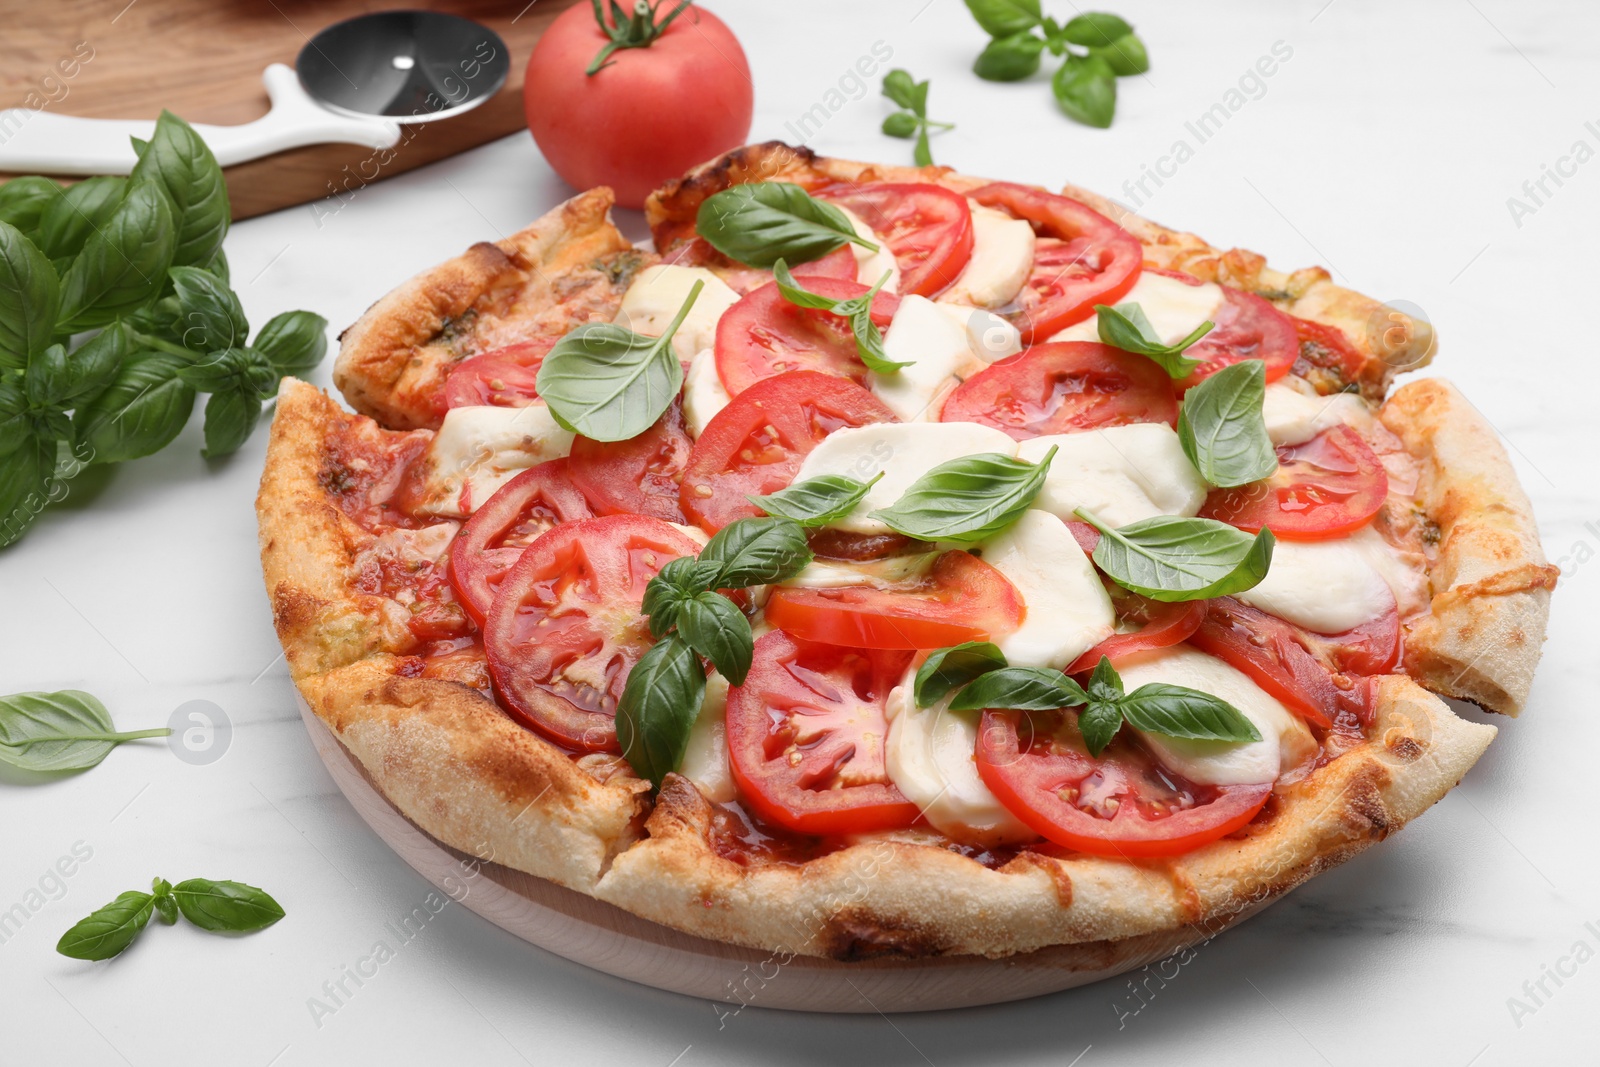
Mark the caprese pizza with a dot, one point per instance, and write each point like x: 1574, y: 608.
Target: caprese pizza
x: 891, y: 562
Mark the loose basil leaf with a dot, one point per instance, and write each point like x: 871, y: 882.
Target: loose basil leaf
x: 109, y: 930
x: 966, y: 500
x: 1009, y: 59
x: 659, y: 704
x: 759, y: 223
x: 1222, y: 429
x: 65, y: 731
x: 857, y: 310
x: 1020, y: 689
x: 757, y: 552
x: 29, y: 296
x: 953, y: 667
x: 178, y: 161
x: 23, y: 202
x: 609, y: 383
x: 716, y: 628
x: 209, y: 313
x: 166, y: 904
x: 230, y: 907
x: 1086, y: 90
x: 1099, y: 722
x: 294, y: 342
x: 230, y: 418
x: 1178, y: 711
x: 1095, y: 28
x: 1173, y: 559
x: 901, y: 124
x: 1127, y: 327
x: 1105, y: 684
x: 1126, y: 55
x: 123, y: 265
x: 79, y: 211
x: 901, y: 87
x: 26, y: 475
x: 816, y: 501
x: 1002, y: 18
x: 138, y: 413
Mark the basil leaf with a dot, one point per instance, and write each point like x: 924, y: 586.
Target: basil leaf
x: 1105, y: 684
x: 65, y: 731
x: 140, y: 412
x: 1002, y: 18
x: 230, y: 907
x: 178, y: 161
x: 1174, y: 559
x: 1222, y: 429
x: 79, y: 211
x: 26, y: 474
x: 1095, y: 28
x: 716, y: 628
x: 659, y: 704
x: 857, y: 309
x: 757, y: 552
x: 1127, y: 327
x: 293, y: 342
x: 29, y: 296
x: 816, y: 501
x: 901, y: 87
x: 1009, y: 59
x: 16, y: 421
x: 922, y: 155
x: 1178, y: 711
x: 109, y: 930
x: 678, y: 581
x: 967, y: 499
x: 953, y: 667
x: 609, y: 383
x: 46, y: 378
x: 1126, y: 55
x: 230, y: 418
x: 23, y: 202
x: 901, y: 124
x: 227, y: 369
x: 210, y: 315
x: 94, y: 364
x: 123, y: 265
x: 166, y: 905
x: 759, y: 223
x: 1086, y: 90
x: 1099, y: 722
x: 1020, y: 689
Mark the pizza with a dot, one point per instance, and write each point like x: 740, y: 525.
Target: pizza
x: 895, y: 563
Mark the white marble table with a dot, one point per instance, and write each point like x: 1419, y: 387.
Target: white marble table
x: 1385, y: 148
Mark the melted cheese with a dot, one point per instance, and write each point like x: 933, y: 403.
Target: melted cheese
x: 937, y: 349
x: 1174, y: 308
x: 1405, y: 572
x: 1002, y: 259
x: 479, y: 449
x: 989, y: 337
x: 656, y: 295
x: 837, y: 574
x: 1068, y: 610
x: 703, y: 392
x: 1325, y: 586
x: 870, y: 265
x: 1294, y: 417
x: 705, y: 760
x: 1121, y: 473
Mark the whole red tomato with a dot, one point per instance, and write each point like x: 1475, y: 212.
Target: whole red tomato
x: 651, y: 111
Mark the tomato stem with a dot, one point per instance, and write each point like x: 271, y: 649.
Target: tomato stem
x: 638, y: 30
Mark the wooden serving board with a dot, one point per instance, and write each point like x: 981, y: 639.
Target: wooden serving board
x: 202, y: 60
x: 606, y: 938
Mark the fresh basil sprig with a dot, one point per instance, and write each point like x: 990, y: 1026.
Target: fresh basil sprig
x: 953, y: 667
x: 221, y: 907
x: 1085, y: 86
x: 1173, y: 559
x: 1222, y: 429
x: 1127, y: 327
x: 759, y: 223
x: 609, y: 383
x: 912, y: 95
x: 816, y: 501
x: 966, y: 500
x: 857, y: 310
x: 65, y: 731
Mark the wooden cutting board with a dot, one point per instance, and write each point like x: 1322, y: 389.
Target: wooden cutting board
x: 202, y: 59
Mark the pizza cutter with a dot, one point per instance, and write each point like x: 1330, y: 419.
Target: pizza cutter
x: 356, y: 82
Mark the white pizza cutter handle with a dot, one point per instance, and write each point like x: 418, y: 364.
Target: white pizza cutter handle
x: 41, y: 142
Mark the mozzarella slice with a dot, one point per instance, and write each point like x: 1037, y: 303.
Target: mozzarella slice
x: 1325, y: 586
x: 903, y: 451
x: 1285, y: 742
x: 1002, y: 259
x: 703, y: 392
x: 895, y: 570
x: 1068, y: 609
x: 937, y: 349
x: 989, y: 337
x: 479, y: 449
x: 1174, y: 308
x: 929, y: 755
x: 1405, y: 572
x: 1294, y: 417
x: 870, y: 265
x: 656, y: 295
x: 1121, y: 473
x: 705, y: 760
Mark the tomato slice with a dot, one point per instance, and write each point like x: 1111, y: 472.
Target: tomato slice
x: 1245, y: 327
x: 763, y: 335
x: 927, y: 227
x: 806, y: 736
x: 1064, y: 387
x: 1122, y: 804
x: 504, y: 377
x: 755, y: 445
x: 1163, y: 625
x: 697, y: 252
x: 1081, y: 259
x: 565, y: 627
x: 1327, y: 487
x: 530, y: 504
x: 639, y: 476
x: 960, y: 599
x: 1325, y: 348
